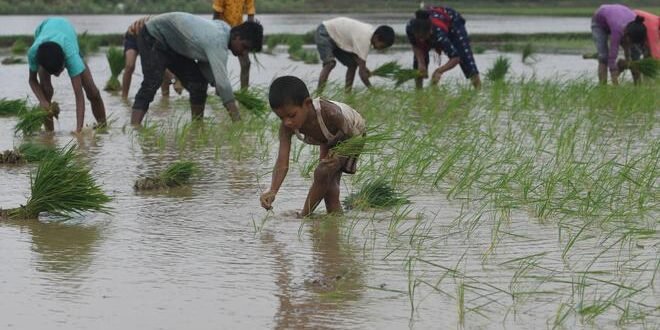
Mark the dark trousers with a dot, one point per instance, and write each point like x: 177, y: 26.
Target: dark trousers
x: 155, y: 57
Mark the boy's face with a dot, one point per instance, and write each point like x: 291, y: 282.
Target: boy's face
x: 56, y: 74
x: 239, y: 46
x: 293, y: 116
x: 379, y: 45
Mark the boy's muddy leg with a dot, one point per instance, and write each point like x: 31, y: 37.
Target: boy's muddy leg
x: 324, y: 177
x: 244, y: 60
x: 197, y: 111
x: 94, y: 97
x: 350, y: 78
x: 47, y: 87
x: 325, y: 73
x: 332, y: 203
x: 476, y: 81
x: 165, y: 86
x: 131, y: 57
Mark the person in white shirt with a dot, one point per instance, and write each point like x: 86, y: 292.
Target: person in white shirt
x: 349, y: 41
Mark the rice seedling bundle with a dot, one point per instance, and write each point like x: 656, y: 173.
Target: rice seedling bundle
x: 87, y: 44
x: 298, y: 53
x: 30, y: 121
x: 499, y: 70
x: 648, y: 67
x: 251, y: 101
x: 362, y: 144
x: 27, y: 152
x: 528, y: 52
x: 375, y: 194
x: 12, y: 60
x: 117, y: 62
x: 404, y: 75
x: 62, y: 185
x: 19, y: 47
x: 12, y: 107
x: 386, y: 70
x: 175, y: 175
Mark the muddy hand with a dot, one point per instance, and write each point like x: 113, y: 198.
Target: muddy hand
x: 267, y: 200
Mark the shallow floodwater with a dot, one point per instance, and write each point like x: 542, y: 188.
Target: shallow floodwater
x: 303, y: 23
x: 201, y: 257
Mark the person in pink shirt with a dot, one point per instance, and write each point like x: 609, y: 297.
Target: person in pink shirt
x: 623, y: 28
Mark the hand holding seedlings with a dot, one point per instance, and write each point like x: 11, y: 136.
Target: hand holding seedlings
x: 267, y: 199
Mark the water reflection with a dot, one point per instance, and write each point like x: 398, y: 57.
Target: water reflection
x: 335, y: 280
x: 63, y: 250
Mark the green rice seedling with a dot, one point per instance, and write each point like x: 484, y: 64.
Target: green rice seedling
x: 30, y: 121
x: 378, y: 194
x: 63, y: 186
x: 649, y: 67
x: 10, y: 107
x: 298, y: 53
x: 405, y: 75
x: 34, y: 152
x: 87, y: 44
x: 386, y: 70
x: 19, y: 47
x: 362, y: 144
x: 117, y: 62
x: 499, y: 69
x: 12, y: 60
x: 177, y: 174
x: 528, y: 52
x: 27, y: 152
x: 251, y: 101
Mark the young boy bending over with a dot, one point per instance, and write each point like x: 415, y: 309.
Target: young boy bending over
x: 314, y: 121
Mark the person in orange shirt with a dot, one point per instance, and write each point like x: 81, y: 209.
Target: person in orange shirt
x: 652, y: 23
x: 231, y: 11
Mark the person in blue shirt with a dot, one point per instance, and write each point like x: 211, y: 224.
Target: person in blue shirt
x: 55, y: 48
x: 443, y: 30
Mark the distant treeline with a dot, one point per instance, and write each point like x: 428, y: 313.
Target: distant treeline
x: 533, y: 7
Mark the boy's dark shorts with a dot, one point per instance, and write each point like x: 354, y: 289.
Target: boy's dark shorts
x: 329, y: 51
x: 130, y: 42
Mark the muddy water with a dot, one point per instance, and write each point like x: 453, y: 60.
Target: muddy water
x: 302, y: 23
x: 201, y: 257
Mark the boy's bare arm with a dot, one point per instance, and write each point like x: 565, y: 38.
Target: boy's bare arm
x: 363, y: 71
x: 422, y: 66
x: 38, y: 91
x: 280, y: 169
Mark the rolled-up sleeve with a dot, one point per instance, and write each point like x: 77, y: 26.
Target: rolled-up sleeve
x: 249, y: 7
x: 218, y: 67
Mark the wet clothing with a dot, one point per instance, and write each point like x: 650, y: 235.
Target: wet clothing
x: 177, y: 41
x: 353, y: 125
x: 60, y: 31
x: 155, y: 57
x: 652, y: 23
x: 350, y: 35
x: 610, y: 21
x: 448, y: 34
x: 233, y: 10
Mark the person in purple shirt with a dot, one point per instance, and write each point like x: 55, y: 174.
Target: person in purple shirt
x: 621, y: 26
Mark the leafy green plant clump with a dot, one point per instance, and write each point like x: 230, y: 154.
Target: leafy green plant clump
x: 63, y: 186
x: 177, y: 174
x: 117, y: 62
x: 499, y: 69
x: 9, y: 107
x: 251, y: 101
x: 377, y: 194
x: 26, y: 152
x: 30, y: 121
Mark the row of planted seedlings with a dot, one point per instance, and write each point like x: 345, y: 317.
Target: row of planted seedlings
x: 580, y: 165
x: 572, y: 157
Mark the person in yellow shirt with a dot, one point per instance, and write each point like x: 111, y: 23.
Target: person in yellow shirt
x: 231, y: 11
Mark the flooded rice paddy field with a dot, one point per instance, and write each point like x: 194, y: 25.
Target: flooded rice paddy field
x: 534, y: 204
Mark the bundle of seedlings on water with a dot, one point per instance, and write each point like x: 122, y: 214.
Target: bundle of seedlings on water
x: 375, y: 194
x: 298, y: 53
x: 63, y: 186
x: 528, y: 52
x: 12, y: 107
x: 12, y: 60
x: 499, y: 70
x: 117, y: 62
x: 251, y: 101
x: 387, y: 70
x: 26, y: 152
x: 30, y: 121
x: 175, y: 175
x: 87, y: 44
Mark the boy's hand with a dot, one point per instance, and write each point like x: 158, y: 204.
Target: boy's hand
x: 45, y: 105
x: 267, y: 199
x: 423, y: 72
x: 437, y: 75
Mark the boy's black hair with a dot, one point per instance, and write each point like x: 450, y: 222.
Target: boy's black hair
x: 252, y: 32
x: 385, y: 34
x: 51, y: 57
x: 421, y: 23
x: 636, y: 30
x: 287, y: 90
